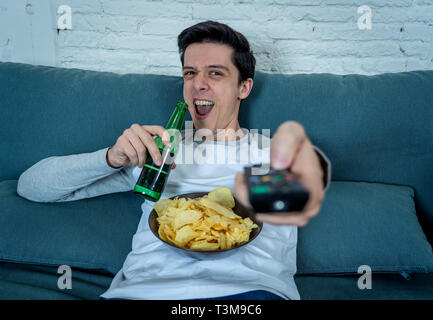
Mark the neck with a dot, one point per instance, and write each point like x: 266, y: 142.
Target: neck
x: 232, y: 131
x: 229, y: 133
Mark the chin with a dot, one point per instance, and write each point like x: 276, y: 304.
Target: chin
x: 210, y: 128
x: 205, y: 127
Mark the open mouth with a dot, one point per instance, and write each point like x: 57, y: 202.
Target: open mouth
x: 202, y: 108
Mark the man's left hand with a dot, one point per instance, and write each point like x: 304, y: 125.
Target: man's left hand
x: 291, y: 149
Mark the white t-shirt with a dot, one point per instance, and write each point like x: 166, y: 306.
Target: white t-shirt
x: 154, y: 270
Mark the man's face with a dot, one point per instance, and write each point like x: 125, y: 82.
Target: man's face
x: 211, y: 86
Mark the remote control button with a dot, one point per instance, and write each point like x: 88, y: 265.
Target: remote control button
x: 285, y: 189
x: 279, y: 205
x: 289, y: 176
x: 260, y: 189
x: 266, y: 178
x: 277, y: 178
x: 255, y: 179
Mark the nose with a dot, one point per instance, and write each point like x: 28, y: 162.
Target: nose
x: 201, y: 82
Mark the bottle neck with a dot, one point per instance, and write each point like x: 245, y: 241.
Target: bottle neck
x: 177, y: 118
x: 174, y: 126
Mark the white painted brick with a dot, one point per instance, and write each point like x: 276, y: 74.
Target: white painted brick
x: 350, y: 31
x: 415, y: 14
x: 349, y: 66
x: 422, y: 2
x: 354, y: 49
x: 387, y: 65
x: 316, y: 13
x: 283, y: 30
x: 116, y: 40
x: 4, y: 32
x: 103, y: 23
x: 100, y: 59
x: 417, y: 64
x: 370, y: 3
x: 163, y: 59
x: 162, y: 26
x: 228, y: 12
x: 147, y: 9
x: 287, y: 36
x: 79, y: 6
x: 260, y: 12
x: 119, y: 61
x: 416, y: 31
x: 128, y: 23
x: 352, y: 3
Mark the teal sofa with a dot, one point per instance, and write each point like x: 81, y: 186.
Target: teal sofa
x: 376, y: 130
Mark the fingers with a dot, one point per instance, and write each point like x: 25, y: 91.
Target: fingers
x: 285, y: 144
x: 142, y: 135
x: 291, y: 149
x: 121, y: 153
x: 158, y: 131
x: 307, y: 168
x: 299, y: 219
x: 139, y: 153
x: 241, y: 190
x: 137, y: 142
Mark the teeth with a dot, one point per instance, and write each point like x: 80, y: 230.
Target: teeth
x: 204, y: 103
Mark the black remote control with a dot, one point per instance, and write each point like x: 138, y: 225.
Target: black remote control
x: 275, y: 191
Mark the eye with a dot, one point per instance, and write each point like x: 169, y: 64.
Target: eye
x: 188, y: 73
x: 216, y: 73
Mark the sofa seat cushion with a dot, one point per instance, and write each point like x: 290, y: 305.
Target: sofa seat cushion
x: 94, y: 234
x: 360, y: 224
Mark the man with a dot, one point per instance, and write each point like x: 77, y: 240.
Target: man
x: 218, y: 69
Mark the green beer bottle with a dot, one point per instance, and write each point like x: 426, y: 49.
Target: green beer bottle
x: 152, y: 179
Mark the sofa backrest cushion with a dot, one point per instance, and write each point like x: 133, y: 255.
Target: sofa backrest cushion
x: 364, y: 224
x: 373, y: 128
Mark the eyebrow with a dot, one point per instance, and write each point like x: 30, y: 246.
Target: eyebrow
x: 212, y: 66
x: 218, y: 66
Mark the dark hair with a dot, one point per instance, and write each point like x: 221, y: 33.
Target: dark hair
x: 215, y: 32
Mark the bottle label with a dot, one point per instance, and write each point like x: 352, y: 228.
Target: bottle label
x: 154, y: 168
x: 152, y: 194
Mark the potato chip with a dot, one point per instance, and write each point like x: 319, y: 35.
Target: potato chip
x: 223, y: 196
x: 186, y: 217
x: 185, y: 234
x: 222, y: 241
x: 218, y: 208
x: 161, y: 205
x: 206, y: 223
x: 168, y: 232
x: 161, y: 233
x: 204, y: 245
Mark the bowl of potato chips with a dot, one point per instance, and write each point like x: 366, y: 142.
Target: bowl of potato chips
x: 204, y: 222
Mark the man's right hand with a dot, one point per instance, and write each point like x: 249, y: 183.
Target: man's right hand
x: 134, y: 144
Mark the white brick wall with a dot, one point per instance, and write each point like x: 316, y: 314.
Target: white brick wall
x: 292, y: 36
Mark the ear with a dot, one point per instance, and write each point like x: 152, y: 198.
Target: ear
x: 245, y: 88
